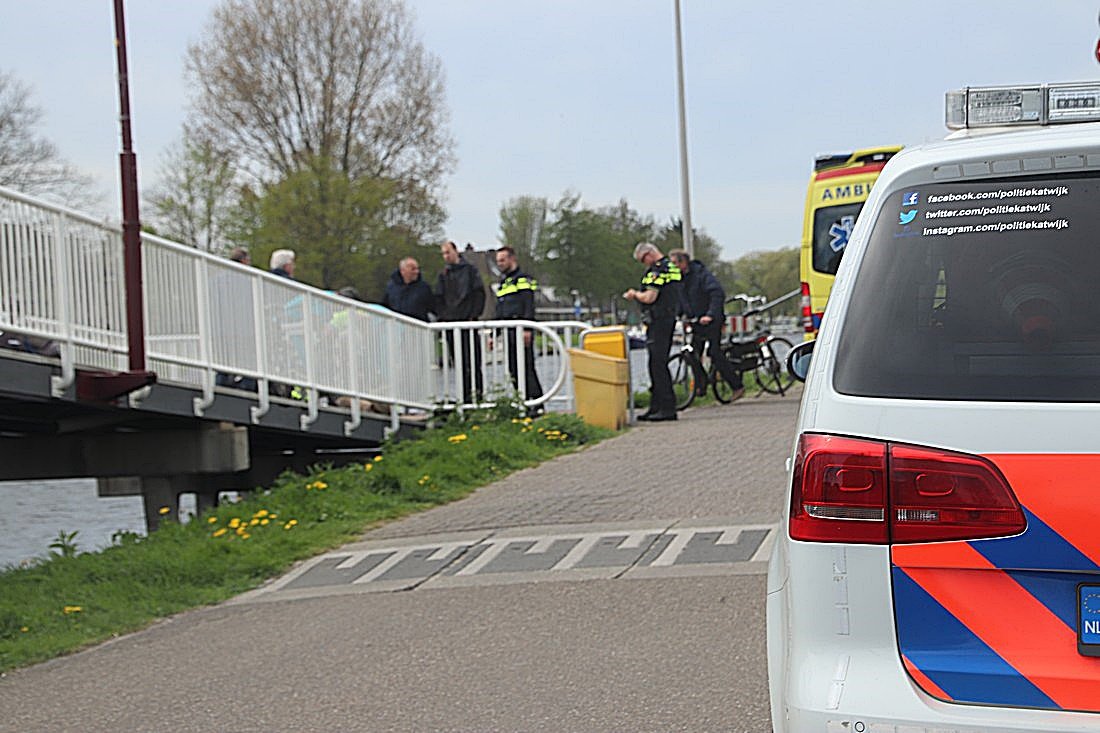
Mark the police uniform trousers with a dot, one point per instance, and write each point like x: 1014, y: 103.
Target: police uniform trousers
x: 658, y: 342
x: 531, y: 378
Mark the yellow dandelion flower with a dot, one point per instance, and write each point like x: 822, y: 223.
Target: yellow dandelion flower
x: 476, y: 427
x: 245, y: 536
x: 516, y: 420
x: 321, y: 485
x: 163, y: 510
x: 242, y: 529
x: 253, y: 522
x: 212, y: 520
x: 220, y: 532
x: 272, y: 516
x: 367, y: 467
x: 457, y: 438
x: 377, y: 459
x: 261, y: 513
x: 67, y: 610
x: 24, y: 629
x: 234, y: 523
x: 265, y: 521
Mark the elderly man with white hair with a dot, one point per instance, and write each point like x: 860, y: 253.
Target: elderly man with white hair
x: 659, y: 297
x: 282, y: 263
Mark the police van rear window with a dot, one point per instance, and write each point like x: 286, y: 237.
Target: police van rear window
x: 979, y: 291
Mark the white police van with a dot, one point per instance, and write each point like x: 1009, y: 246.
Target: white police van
x: 938, y: 568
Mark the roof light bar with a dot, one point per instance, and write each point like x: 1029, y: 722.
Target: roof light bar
x: 1042, y: 104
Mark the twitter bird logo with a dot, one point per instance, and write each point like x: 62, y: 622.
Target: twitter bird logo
x: 907, y: 217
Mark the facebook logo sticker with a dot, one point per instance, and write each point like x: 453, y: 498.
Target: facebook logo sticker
x: 912, y: 198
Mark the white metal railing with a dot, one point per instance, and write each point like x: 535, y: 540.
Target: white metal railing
x: 474, y: 361
x: 61, y: 278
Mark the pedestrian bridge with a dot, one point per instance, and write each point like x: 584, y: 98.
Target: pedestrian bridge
x: 251, y: 373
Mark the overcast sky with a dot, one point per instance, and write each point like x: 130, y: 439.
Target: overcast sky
x: 580, y: 95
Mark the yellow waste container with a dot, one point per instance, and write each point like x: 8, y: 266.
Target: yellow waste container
x: 607, y: 340
x: 601, y: 386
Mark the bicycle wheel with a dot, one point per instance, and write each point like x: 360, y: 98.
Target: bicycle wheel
x: 682, y: 369
x: 772, y: 374
x: 723, y: 390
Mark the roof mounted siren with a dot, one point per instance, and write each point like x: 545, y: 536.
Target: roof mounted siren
x: 1012, y: 106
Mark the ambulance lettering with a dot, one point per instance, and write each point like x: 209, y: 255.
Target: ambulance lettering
x: 852, y: 190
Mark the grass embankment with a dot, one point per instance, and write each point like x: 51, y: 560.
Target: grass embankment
x: 72, y: 600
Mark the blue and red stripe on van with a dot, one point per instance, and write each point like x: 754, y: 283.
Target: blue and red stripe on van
x: 994, y: 621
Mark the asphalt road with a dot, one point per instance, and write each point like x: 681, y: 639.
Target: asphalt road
x: 620, y: 588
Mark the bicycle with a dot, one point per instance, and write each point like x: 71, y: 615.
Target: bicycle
x: 763, y: 354
x: 691, y: 378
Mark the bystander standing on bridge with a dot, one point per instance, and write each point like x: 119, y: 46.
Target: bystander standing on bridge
x: 460, y: 296
x: 407, y: 293
x: 282, y: 263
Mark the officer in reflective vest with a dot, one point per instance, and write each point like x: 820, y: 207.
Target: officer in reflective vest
x: 516, y: 301
x: 659, y: 297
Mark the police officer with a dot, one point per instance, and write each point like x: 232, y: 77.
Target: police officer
x: 516, y: 301
x: 660, y: 300
x: 703, y: 300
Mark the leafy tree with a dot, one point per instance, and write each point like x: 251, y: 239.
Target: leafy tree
x: 707, y: 249
x: 591, y: 251
x: 197, y: 195
x: 522, y: 223
x: 338, y: 226
x: 773, y: 273
x: 334, y: 114
x: 30, y: 163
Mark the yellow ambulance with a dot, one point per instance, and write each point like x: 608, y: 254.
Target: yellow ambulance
x: 838, y: 187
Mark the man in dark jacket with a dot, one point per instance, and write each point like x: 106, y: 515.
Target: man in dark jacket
x: 407, y: 293
x: 460, y: 296
x: 703, y: 300
x: 516, y: 301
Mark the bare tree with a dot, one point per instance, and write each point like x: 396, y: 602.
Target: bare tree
x: 282, y: 82
x: 28, y: 162
x: 196, y: 197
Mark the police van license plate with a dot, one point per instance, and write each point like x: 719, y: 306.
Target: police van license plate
x: 1088, y: 620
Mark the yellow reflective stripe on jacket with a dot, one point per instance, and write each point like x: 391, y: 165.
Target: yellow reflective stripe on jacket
x: 672, y: 274
x: 514, y: 286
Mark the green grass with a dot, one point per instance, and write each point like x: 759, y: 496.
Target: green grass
x: 72, y: 600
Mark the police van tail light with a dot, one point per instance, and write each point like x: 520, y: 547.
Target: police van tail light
x: 941, y: 495
x: 872, y: 492
x: 807, y: 311
x: 839, y: 490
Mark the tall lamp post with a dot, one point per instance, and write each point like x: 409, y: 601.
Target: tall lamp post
x: 685, y: 193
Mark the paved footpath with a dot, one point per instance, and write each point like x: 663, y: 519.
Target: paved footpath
x: 512, y: 609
